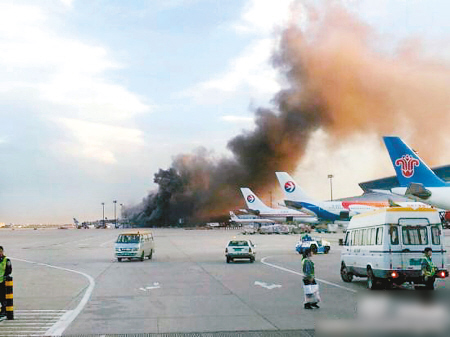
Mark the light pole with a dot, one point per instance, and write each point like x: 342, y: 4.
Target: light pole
x: 330, y: 176
x: 115, y: 219
x: 103, y: 206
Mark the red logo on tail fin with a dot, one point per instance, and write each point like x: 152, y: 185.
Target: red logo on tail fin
x: 289, y: 186
x: 407, y: 164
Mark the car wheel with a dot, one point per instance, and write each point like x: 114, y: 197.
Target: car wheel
x: 228, y: 259
x: 119, y: 259
x: 252, y: 259
x: 346, y: 276
x: 151, y: 254
x: 314, y: 249
x: 142, y: 256
x: 326, y: 250
x: 372, y: 282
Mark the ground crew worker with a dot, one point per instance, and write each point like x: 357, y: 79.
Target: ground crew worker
x: 311, y: 299
x: 5, y: 270
x: 428, y: 267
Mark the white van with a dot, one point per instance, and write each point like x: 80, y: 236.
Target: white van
x: 387, y: 245
x: 134, y: 245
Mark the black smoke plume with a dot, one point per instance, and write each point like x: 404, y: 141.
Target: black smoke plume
x: 339, y: 82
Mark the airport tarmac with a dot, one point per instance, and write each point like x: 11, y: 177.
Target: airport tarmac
x: 67, y: 282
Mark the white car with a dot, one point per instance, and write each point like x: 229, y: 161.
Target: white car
x: 240, y: 249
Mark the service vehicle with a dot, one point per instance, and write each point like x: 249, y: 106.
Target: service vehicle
x: 387, y: 245
x: 249, y: 229
x: 317, y: 245
x: 134, y: 245
x: 240, y: 249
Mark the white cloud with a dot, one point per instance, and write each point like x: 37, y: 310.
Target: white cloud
x: 97, y: 141
x: 263, y: 16
x: 68, y: 3
x: 238, y: 119
x: 251, y: 72
x: 62, y: 77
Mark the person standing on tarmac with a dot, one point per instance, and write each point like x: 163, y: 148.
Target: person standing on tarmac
x: 5, y: 270
x: 428, y: 268
x: 311, y: 298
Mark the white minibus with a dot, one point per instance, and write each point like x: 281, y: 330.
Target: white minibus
x: 387, y: 245
x: 134, y: 245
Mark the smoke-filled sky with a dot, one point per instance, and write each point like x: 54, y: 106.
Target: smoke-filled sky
x: 97, y: 97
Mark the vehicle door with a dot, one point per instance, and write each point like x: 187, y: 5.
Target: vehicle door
x: 142, y: 244
x: 395, y: 250
x: 415, y: 237
x: 437, y: 245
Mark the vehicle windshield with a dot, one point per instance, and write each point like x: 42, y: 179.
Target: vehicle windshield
x: 238, y: 243
x: 128, y: 238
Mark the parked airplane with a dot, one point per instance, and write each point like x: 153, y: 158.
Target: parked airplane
x: 416, y: 179
x: 256, y: 206
x: 236, y: 219
x: 296, y: 198
x: 77, y: 224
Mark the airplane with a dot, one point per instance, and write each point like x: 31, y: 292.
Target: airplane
x: 236, y: 219
x: 296, y: 198
x: 256, y: 206
x: 417, y: 181
x: 77, y: 224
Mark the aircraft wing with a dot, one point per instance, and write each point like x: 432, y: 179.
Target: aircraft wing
x: 299, y: 207
x: 246, y: 221
x: 236, y: 219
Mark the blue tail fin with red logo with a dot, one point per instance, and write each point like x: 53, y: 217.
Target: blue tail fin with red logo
x: 408, y: 165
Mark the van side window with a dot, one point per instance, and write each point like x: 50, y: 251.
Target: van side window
x: 436, y: 235
x: 379, y: 236
x: 394, y: 235
x: 372, y: 236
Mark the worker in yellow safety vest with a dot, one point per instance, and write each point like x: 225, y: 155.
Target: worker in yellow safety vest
x: 428, y: 267
x: 5, y: 270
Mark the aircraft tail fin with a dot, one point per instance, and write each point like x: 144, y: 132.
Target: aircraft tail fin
x: 292, y: 191
x: 392, y: 203
x: 409, y: 167
x: 252, y: 201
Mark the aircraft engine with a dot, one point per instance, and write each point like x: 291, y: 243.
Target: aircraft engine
x: 344, y: 215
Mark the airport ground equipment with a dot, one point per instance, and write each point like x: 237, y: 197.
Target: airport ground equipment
x: 387, y: 246
x: 9, y: 297
x: 317, y: 245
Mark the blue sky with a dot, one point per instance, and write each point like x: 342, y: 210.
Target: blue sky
x: 96, y: 96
